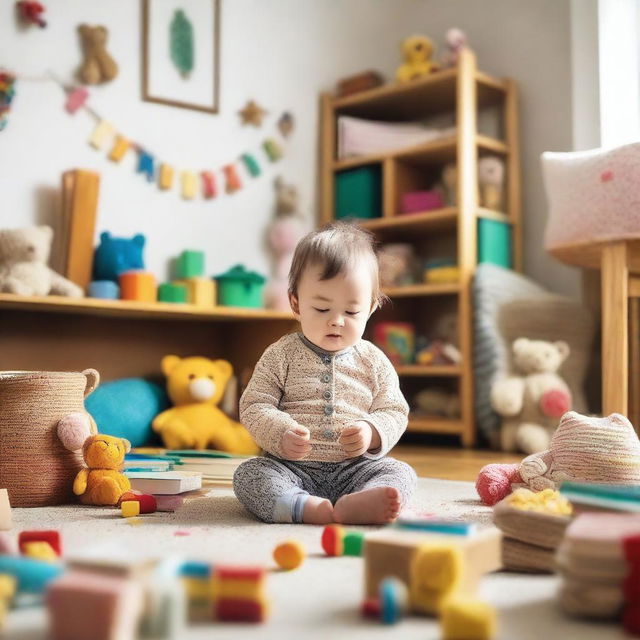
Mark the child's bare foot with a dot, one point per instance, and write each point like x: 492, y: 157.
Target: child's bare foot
x: 317, y: 511
x: 379, y: 505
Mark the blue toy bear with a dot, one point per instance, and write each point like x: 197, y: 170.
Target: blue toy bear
x: 114, y: 256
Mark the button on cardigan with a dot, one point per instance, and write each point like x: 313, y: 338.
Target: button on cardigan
x: 297, y: 383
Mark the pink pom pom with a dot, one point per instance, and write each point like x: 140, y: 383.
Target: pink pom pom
x: 494, y: 481
x: 555, y: 403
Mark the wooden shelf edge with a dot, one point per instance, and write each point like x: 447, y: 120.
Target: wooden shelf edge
x: 491, y: 82
x: 132, y: 309
x: 435, y: 217
x: 490, y: 214
x: 422, y: 290
x: 492, y: 144
x: 428, y: 370
x: 423, y: 424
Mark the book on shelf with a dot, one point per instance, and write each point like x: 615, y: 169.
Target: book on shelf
x: 215, y: 466
x: 164, y: 482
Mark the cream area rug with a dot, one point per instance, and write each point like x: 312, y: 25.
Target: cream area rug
x: 319, y: 600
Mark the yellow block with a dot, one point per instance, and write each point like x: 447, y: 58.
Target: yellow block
x: 100, y: 134
x: 188, y: 185
x: 166, y: 176
x: 240, y: 589
x: 198, y: 588
x: 200, y: 291
x: 130, y: 508
x: 436, y: 574
x: 442, y: 275
x: 119, y: 149
x: 40, y: 550
x: 467, y: 619
x: 7, y: 586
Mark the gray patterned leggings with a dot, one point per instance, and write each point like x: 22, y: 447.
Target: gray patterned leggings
x: 275, y: 490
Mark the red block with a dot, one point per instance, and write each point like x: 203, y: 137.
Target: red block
x: 147, y: 502
x: 239, y: 573
x: 332, y: 540
x: 631, y: 586
x: 631, y: 547
x: 237, y: 610
x: 52, y: 537
x: 631, y: 620
x: 371, y: 608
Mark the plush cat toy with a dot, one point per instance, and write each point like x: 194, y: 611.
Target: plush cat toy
x: 583, y: 449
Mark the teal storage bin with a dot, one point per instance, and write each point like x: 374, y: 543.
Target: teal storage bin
x: 358, y: 193
x: 240, y: 288
x: 494, y: 242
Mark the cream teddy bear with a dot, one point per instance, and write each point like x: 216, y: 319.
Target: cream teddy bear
x: 23, y: 264
x: 532, y: 400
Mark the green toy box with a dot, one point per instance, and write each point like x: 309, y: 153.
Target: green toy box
x: 358, y: 193
x: 494, y: 242
x: 240, y: 288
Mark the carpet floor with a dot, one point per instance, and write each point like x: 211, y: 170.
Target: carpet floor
x: 322, y: 598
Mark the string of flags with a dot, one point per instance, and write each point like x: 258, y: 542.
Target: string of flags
x: 209, y: 182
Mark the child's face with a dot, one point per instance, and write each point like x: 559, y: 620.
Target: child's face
x: 333, y: 313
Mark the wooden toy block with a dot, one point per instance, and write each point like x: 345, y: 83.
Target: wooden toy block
x: 200, y: 291
x: 239, y: 589
x: 130, y: 508
x: 289, y: 554
x: 467, y: 619
x: 138, y: 285
x: 391, y: 553
x: 40, y: 551
x: 199, y: 598
x: 148, y: 503
x: 333, y: 540
x: 353, y: 543
x: 165, y: 611
x: 190, y: 265
x: 31, y: 575
x: 195, y: 569
x: 436, y: 525
x: 394, y: 600
x: 238, y: 610
x: 239, y: 573
x: 5, y: 511
x: 173, y: 292
x: 436, y: 574
x: 114, y: 559
x: 84, y: 605
x: 371, y: 608
x: 50, y: 536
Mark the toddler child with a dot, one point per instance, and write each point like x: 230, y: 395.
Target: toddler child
x: 324, y: 404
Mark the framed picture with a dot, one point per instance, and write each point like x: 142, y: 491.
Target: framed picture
x: 181, y: 53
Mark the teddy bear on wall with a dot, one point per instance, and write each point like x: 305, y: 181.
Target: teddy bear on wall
x: 533, y: 399
x: 195, y: 386
x: 23, y: 264
x: 102, y: 483
x: 98, y: 66
x: 582, y: 449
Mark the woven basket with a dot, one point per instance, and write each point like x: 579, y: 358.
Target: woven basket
x: 34, y: 466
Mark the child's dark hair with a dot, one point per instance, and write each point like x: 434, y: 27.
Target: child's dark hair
x: 336, y: 247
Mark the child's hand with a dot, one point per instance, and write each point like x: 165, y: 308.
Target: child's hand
x: 295, y: 443
x: 358, y: 438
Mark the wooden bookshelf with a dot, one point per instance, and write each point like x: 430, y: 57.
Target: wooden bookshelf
x: 463, y: 91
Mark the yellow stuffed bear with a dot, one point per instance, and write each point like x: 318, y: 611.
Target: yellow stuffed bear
x: 195, y: 386
x: 102, y: 483
x: 417, y: 52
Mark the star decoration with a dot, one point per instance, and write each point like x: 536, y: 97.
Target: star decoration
x: 252, y: 114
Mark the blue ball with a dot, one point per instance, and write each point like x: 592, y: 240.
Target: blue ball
x: 125, y: 408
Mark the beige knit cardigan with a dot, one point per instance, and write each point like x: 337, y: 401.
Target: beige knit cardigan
x: 297, y: 383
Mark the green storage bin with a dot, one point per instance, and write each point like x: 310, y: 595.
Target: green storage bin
x: 172, y: 292
x: 494, y: 242
x: 240, y: 288
x: 358, y: 193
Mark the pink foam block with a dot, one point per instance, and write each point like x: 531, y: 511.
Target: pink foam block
x: 415, y: 201
x: 83, y: 604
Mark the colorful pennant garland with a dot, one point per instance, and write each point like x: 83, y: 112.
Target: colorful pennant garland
x: 7, y: 92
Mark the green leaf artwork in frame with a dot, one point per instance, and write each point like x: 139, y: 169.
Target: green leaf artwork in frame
x: 181, y: 43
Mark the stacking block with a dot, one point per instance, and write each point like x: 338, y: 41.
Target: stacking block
x: 5, y: 511
x: 289, y: 554
x: 165, y: 612
x: 172, y: 292
x: 138, y: 285
x: 467, y: 619
x: 436, y: 574
x: 371, y: 608
x: 31, y: 575
x: 631, y: 620
x: 40, y: 551
x: 104, y: 289
x: 130, y: 508
x: 50, y: 536
x: 84, y: 605
x: 232, y: 610
x: 194, y: 569
x: 333, y: 540
x: 239, y: 594
x: 392, y: 552
x: 190, y: 264
x: 353, y: 543
x: 200, y: 291
x: 394, y: 600
x: 435, y: 525
x: 148, y: 503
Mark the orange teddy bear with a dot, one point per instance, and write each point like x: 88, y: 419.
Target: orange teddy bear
x: 102, y: 483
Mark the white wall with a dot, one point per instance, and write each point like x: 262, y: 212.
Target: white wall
x: 281, y: 53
